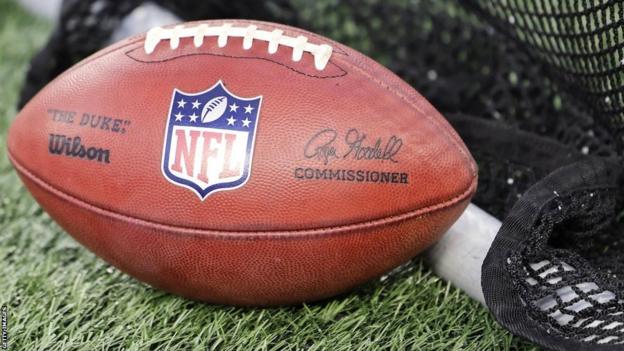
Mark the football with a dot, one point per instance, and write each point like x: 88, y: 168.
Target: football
x: 214, y: 109
x: 242, y: 162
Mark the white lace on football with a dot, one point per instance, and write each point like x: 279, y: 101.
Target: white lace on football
x: 322, y: 53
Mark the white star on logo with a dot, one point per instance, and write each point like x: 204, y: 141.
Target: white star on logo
x: 233, y: 107
x: 246, y: 122
x: 231, y: 121
x: 181, y: 103
x: 193, y: 117
x: 196, y: 104
x: 178, y: 116
x: 248, y: 109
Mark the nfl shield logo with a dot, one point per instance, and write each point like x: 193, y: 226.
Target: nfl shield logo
x: 209, y: 139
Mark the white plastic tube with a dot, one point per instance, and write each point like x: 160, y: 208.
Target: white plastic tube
x: 458, y: 256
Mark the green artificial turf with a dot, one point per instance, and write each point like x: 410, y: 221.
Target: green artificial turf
x: 60, y: 296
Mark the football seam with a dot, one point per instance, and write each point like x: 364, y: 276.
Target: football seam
x: 242, y: 235
x: 129, y: 52
x: 133, y: 40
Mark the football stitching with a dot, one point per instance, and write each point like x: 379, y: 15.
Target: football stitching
x: 137, y: 38
x: 247, y: 235
x: 130, y: 52
x: 336, y: 46
x: 276, y: 38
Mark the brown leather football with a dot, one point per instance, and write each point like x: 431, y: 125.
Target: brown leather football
x: 242, y: 162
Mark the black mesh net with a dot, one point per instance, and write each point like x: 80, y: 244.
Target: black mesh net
x: 534, y: 87
x: 553, y: 272
x: 582, y: 43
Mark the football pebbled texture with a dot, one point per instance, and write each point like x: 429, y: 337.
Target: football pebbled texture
x: 323, y: 171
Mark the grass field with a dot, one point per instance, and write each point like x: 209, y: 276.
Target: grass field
x: 59, y: 296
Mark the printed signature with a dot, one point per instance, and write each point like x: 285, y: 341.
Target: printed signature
x: 324, y: 147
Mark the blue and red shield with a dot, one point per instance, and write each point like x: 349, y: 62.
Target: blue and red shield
x: 209, y: 139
